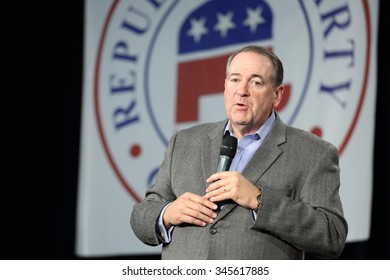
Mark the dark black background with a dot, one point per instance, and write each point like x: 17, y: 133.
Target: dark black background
x: 41, y: 94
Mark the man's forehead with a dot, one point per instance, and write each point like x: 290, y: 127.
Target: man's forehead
x: 251, y: 58
x: 253, y: 63
x: 238, y: 74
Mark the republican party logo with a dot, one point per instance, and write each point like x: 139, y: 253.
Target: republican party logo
x: 160, y: 67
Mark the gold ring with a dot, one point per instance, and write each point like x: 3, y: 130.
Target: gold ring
x: 224, y: 189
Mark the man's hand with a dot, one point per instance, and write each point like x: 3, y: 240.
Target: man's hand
x: 232, y: 185
x: 190, y: 208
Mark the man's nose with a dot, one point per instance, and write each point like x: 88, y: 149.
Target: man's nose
x: 243, y: 89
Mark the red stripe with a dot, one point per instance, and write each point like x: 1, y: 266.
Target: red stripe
x: 197, y: 78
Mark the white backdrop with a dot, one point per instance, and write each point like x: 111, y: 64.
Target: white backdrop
x: 152, y: 67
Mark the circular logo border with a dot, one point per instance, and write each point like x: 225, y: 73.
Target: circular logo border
x: 113, y: 164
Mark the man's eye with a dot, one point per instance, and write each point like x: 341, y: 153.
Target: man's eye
x: 256, y: 83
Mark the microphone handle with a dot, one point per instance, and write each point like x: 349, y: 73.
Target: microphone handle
x: 224, y: 163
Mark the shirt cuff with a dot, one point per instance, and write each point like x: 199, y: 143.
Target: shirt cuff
x: 164, y: 234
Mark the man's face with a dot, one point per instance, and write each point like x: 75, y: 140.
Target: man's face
x: 249, y: 93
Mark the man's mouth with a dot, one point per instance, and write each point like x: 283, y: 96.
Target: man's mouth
x: 241, y: 105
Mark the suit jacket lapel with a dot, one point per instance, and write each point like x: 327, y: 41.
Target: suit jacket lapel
x: 268, y: 152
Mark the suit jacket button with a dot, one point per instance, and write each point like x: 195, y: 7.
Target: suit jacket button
x: 213, y: 230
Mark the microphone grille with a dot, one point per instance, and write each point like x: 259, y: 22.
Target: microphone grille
x: 229, y: 146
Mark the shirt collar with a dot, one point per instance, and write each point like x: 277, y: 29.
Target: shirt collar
x: 262, y: 131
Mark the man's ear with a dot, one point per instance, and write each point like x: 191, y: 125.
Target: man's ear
x: 278, y: 95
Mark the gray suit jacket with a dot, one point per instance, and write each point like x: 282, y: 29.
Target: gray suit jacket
x: 300, y: 211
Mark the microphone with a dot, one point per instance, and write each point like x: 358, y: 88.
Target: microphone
x: 226, y: 155
x: 227, y: 152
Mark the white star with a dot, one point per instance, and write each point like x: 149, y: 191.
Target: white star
x: 254, y: 18
x: 198, y: 28
x: 224, y: 23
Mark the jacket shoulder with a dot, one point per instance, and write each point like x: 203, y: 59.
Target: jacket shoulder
x: 203, y: 129
x: 307, y: 138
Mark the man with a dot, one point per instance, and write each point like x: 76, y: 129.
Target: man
x: 280, y: 197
